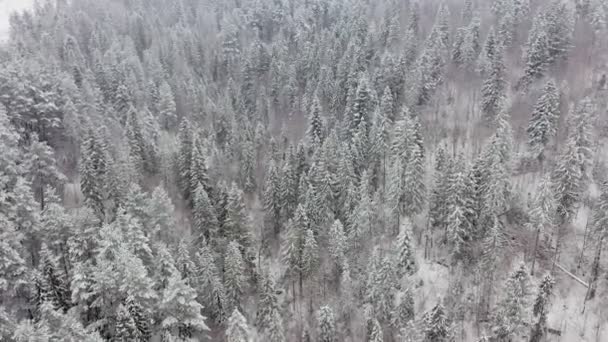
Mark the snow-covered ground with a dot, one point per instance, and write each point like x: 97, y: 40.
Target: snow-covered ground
x: 6, y: 8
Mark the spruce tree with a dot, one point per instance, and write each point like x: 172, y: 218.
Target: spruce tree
x: 184, y: 158
x: 437, y: 326
x: 273, y: 197
x: 511, y: 314
x: 205, y: 223
x: 198, y: 170
x: 209, y: 285
x: 269, y: 319
x: 414, y: 189
x: 405, y: 254
x: 543, y: 124
x: 234, y: 275
x: 180, y: 312
x: 237, y: 329
x: 540, y: 309
x: 166, y: 107
x: 494, y: 86
x: 94, y: 170
x: 326, y: 329
x: 126, y: 330
x: 315, y: 132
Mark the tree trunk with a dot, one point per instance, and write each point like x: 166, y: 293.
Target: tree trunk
x: 595, y: 270
x: 534, y: 252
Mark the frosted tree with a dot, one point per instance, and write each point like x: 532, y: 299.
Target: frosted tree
x: 237, y: 224
x: 234, y: 275
x: 543, y: 124
x: 381, y: 291
x: 536, y: 54
x: 293, y: 244
x: 315, y: 132
x: 126, y: 330
x: 326, y: 325
x: 13, y: 270
x: 429, y: 72
x: 53, y: 325
x: 94, y: 170
x: 273, y: 197
x: 600, y: 231
x: 580, y: 127
x: 198, y: 170
x: 53, y: 283
x: 42, y: 169
x: 414, y: 189
x: 159, y: 211
x: 338, y: 244
x: 405, y: 254
x: 237, y: 329
x: 206, y: 224
x: 166, y: 107
x: 489, y: 50
x: 362, y: 216
x: 437, y: 326
x: 511, y: 314
x: 180, y: 312
x: 140, y: 316
x: 542, y: 211
x: 184, y: 263
x: 247, y: 166
x: 567, y: 182
x: 404, y: 310
x: 540, y: 309
x: 209, y: 286
x: 269, y: 319
x: 375, y: 331
x: 310, y: 254
x: 494, y: 86
x: 184, y: 157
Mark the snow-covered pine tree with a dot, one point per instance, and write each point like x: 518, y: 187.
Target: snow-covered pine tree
x: 315, y: 133
x: 209, y: 286
x: 94, y: 172
x: 494, y: 86
x: 437, y: 326
x: 543, y: 123
x: 540, y: 310
x: 536, y: 54
x: 361, y: 219
x: 180, y: 312
x: 269, y: 319
x: 405, y: 254
x: 567, y: 182
x: 166, y: 107
x: 375, y: 331
x: 126, y: 330
x: 511, y: 314
x: 326, y: 325
x: 205, y: 223
x: 542, y: 212
x: 273, y: 199
x: 490, y: 48
x: 338, y: 244
x: 234, y: 275
x: 237, y: 224
x: 414, y: 188
x: 53, y: 283
x: 184, y: 157
x: 237, y: 329
x: 403, y: 312
x: 198, y: 170
x: 310, y: 254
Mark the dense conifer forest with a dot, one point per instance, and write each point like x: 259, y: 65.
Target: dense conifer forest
x: 304, y: 170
